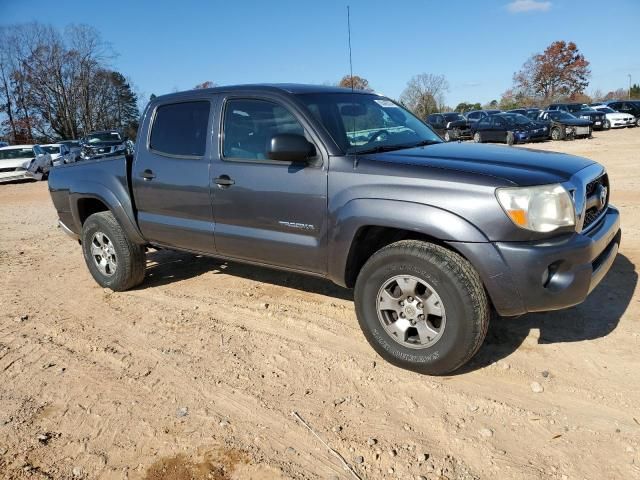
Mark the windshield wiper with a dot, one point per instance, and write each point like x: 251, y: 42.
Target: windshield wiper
x: 390, y: 148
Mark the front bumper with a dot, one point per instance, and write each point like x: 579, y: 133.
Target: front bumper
x: 532, y: 136
x: 523, y: 277
x: 16, y: 175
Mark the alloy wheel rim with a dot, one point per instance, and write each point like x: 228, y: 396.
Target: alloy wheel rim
x: 104, y: 254
x: 411, y: 312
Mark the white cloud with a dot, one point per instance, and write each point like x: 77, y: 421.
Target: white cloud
x: 522, y: 6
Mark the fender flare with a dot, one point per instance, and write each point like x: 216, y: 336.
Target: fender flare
x: 435, y: 222
x: 121, y: 210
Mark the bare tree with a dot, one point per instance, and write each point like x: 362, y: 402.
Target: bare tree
x: 425, y: 93
x: 55, y: 85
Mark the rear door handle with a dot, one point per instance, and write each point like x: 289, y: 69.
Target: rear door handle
x: 148, y: 174
x: 224, y: 181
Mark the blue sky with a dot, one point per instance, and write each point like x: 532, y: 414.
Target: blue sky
x: 166, y: 45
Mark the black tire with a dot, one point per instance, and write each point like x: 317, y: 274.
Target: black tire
x: 130, y: 257
x: 511, y: 139
x: 458, y: 285
x: 556, y: 133
x: 638, y: 122
x: 477, y: 137
x: 606, y: 125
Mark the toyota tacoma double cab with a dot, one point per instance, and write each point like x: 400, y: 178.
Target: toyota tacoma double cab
x: 433, y: 237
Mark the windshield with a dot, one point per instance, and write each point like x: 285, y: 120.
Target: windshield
x: 103, y: 137
x: 71, y: 143
x: 516, y: 118
x: 606, y: 110
x: 16, y: 153
x: 452, y: 117
x: 361, y: 123
x: 51, y: 149
x: 559, y: 115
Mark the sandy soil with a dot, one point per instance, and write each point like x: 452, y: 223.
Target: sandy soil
x: 196, y: 373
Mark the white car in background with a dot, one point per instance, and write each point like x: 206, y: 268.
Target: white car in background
x: 60, y: 153
x: 616, y: 119
x: 24, y: 162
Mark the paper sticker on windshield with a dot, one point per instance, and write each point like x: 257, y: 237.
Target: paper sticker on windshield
x: 386, y: 103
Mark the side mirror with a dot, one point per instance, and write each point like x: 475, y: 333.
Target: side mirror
x: 290, y: 147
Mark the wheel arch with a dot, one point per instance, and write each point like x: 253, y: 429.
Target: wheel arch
x: 363, y: 226
x: 98, y: 198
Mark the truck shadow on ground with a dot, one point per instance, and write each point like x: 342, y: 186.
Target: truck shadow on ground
x: 598, y: 316
x: 167, y: 266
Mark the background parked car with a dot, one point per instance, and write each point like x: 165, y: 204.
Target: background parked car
x: 616, y: 119
x: 563, y: 126
x: 450, y: 126
x: 583, y: 111
x: 107, y: 143
x: 60, y: 153
x: 531, y: 113
x: 74, y: 147
x: 24, y: 162
x: 509, y: 128
x: 476, y: 115
x: 631, y: 107
x: 4, y: 144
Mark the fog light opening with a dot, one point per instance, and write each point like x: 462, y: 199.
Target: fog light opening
x: 550, y: 271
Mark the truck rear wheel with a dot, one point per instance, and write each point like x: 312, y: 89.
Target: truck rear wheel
x: 113, y: 260
x: 422, y: 307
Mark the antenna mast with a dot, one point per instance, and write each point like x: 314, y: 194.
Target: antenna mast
x: 350, y: 61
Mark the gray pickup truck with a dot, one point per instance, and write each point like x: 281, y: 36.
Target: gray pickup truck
x: 434, y: 237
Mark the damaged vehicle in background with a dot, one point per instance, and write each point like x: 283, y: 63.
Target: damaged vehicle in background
x: 74, y: 147
x: 509, y: 128
x: 450, y: 126
x: 24, y: 162
x: 60, y: 153
x: 106, y: 143
x: 583, y: 111
x: 564, y: 126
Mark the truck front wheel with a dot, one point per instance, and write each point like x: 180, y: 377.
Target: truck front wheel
x: 422, y: 307
x: 113, y: 260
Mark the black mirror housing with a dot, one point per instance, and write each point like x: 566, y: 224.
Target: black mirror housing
x: 290, y: 147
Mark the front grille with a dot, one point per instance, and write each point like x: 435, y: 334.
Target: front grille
x: 12, y: 169
x: 595, y: 207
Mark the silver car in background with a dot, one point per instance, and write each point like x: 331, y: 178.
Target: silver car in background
x: 60, y: 153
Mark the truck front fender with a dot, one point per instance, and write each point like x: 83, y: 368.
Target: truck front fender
x: 435, y: 222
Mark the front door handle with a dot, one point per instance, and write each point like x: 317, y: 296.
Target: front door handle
x: 148, y: 174
x: 224, y: 181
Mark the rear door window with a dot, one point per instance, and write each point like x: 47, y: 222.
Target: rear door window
x: 180, y: 129
x: 484, y: 123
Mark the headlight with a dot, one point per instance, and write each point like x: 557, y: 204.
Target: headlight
x: 120, y: 147
x: 541, y: 209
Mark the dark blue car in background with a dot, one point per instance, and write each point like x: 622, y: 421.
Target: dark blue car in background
x: 509, y: 128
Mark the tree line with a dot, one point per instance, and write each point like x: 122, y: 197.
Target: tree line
x: 560, y: 73
x: 59, y: 85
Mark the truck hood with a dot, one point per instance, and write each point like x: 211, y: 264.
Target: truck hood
x: 519, y: 166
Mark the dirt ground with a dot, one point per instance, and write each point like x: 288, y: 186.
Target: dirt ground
x: 195, y: 374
